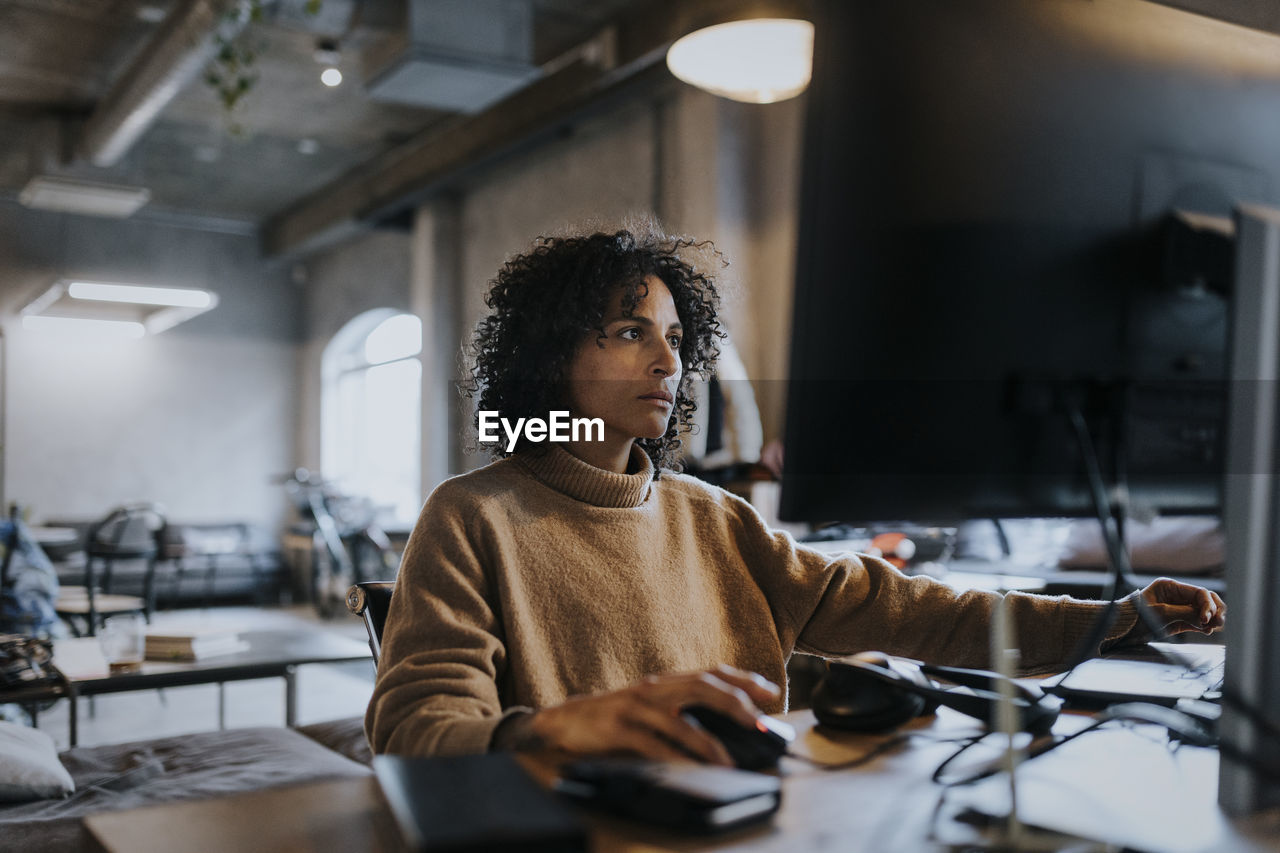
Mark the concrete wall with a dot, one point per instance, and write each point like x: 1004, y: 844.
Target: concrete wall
x: 199, y: 417
x: 370, y: 271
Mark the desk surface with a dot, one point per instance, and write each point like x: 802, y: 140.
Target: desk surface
x: 886, y: 804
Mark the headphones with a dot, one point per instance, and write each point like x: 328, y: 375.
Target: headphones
x: 872, y: 692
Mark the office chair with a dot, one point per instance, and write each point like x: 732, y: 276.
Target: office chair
x: 129, y: 532
x: 10, y: 545
x: 370, y: 600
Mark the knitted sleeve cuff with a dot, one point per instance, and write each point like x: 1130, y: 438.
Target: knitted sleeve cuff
x: 462, y: 735
x: 1128, y: 629
x: 509, y: 731
x: 1080, y: 617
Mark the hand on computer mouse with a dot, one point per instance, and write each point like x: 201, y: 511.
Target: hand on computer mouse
x: 756, y: 747
x: 645, y: 719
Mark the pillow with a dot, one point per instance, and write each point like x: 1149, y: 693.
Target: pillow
x: 1184, y: 545
x: 29, y: 766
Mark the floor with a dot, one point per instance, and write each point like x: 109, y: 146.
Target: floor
x: 325, y: 692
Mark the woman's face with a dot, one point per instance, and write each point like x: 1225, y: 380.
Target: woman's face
x: 629, y: 376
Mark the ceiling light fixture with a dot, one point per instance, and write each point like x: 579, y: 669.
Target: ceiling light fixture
x: 756, y: 61
x: 138, y: 294
x: 72, y: 196
x: 79, y: 326
x: 329, y: 54
x: 150, y: 309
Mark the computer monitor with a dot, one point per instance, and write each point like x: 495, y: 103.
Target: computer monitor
x: 1001, y: 217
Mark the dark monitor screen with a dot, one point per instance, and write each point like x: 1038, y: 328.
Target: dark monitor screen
x: 988, y: 241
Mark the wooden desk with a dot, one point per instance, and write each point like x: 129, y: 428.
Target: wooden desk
x: 888, y: 804
x: 343, y: 815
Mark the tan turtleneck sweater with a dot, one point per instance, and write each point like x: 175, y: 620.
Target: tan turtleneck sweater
x: 541, y: 577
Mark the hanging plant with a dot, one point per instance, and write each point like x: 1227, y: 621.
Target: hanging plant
x: 232, y: 73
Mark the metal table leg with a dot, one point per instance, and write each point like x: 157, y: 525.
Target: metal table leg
x: 290, y: 695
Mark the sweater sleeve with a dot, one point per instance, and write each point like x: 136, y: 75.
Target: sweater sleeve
x: 837, y: 604
x: 442, y: 648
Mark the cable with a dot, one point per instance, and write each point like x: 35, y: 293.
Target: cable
x: 1119, y: 557
x: 1112, y: 535
x: 1002, y: 538
x: 1188, y: 730
x: 937, y: 772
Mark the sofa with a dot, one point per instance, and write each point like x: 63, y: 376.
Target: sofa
x: 185, y: 767
x: 195, y: 564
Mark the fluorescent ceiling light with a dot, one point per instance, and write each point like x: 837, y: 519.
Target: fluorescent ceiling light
x: 757, y: 61
x: 149, y: 309
x: 70, y: 196
x: 138, y: 294
x: 82, y: 325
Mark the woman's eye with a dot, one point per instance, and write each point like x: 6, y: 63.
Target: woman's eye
x: 674, y: 340
x: 630, y: 334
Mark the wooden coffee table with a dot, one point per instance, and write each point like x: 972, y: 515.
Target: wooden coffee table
x: 271, y: 654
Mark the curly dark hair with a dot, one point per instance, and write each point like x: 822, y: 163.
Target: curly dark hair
x: 546, y: 299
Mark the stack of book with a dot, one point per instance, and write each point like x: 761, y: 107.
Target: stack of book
x: 193, y: 645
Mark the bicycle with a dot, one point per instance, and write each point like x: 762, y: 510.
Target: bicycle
x: 348, y: 545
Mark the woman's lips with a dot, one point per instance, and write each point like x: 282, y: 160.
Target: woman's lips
x: 662, y: 398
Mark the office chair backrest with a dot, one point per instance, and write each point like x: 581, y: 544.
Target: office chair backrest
x: 132, y: 530
x: 10, y: 545
x: 370, y: 600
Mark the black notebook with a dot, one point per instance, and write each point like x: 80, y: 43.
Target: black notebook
x: 684, y: 796
x: 475, y: 803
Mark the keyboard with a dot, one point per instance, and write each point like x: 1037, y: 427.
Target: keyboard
x: 1197, y: 674
x: 1207, y: 677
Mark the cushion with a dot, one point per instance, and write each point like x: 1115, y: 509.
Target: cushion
x: 29, y: 766
x: 183, y: 767
x: 344, y: 736
x: 1187, y: 545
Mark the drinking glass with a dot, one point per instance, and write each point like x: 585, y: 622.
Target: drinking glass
x: 124, y: 642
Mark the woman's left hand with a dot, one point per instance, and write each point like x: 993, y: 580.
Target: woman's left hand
x: 1182, y: 607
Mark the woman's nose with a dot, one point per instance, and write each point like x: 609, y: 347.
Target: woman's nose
x: 667, y: 363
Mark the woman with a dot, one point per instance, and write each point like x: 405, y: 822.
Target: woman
x: 576, y: 595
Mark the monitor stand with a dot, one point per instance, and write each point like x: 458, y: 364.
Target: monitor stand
x: 1251, y: 511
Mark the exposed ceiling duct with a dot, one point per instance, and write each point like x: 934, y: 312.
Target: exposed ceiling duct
x: 629, y: 52
x: 333, y: 18
x: 180, y: 49
x: 457, y: 55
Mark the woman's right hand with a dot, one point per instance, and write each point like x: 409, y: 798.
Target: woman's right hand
x: 645, y: 720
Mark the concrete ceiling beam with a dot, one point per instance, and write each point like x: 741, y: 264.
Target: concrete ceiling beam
x: 180, y: 49
x: 628, y: 51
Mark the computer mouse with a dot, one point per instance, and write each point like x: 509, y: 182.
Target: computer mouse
x: 751, y: 749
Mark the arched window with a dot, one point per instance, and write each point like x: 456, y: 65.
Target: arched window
x: 371, y: 410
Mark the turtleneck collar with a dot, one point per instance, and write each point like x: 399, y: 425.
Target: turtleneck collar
x: 566, y: 473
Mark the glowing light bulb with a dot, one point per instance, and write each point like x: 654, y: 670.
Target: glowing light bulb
x: 758, y: 61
